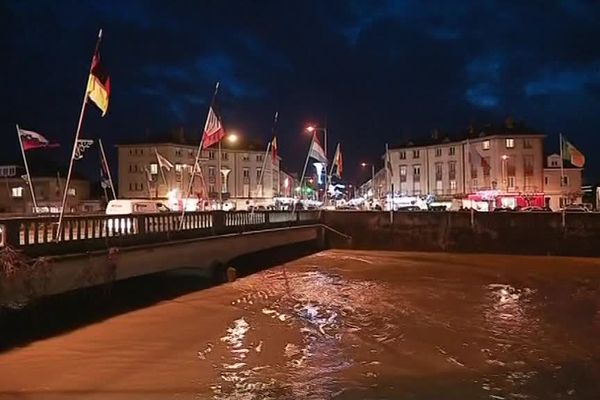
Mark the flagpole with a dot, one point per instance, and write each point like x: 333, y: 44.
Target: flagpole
x: 273, y: 160
x: 465, y: 167
x: 112, y: 186
x: 148, y: 180
x: 162, y: 173
x: 304, y: 171
x: 562, y: 170
x: 262, y: 170
x: 198, y: 152
x: 81, y: 113
x: 220, y: 177
x: 262, y: 174
x: 27, y: 171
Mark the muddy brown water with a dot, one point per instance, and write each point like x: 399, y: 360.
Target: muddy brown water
x: 341, y: 325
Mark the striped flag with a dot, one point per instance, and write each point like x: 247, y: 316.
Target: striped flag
x: 316, y: 150
x: 98, y: 87
x: 213, y: 129
x: 338, y: 163
x: 274, y: 150
x: 33, y: 140
x: 571, y: 154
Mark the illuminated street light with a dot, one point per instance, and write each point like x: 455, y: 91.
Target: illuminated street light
x: 310, y: 129
x: 232, y: 137
x: 364, y: 164
x: 504, y: 179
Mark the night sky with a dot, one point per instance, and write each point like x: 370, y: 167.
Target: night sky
x: 373, y: 71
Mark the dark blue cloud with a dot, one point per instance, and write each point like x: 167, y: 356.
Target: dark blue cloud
x: 377, y: 71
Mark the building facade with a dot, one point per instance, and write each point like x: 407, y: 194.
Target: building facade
x: 507, y: 159
x: 15, y: 196
x: 244, y: 175
x: 562, y: 186
x: 288, y: 184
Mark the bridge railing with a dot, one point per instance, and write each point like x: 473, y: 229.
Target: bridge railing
x: 89, y: 232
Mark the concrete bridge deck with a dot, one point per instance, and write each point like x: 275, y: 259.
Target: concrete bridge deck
x: 100, y: 249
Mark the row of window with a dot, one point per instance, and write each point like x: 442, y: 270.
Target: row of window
x: 564, y: 180
x: 8, y: 171
x: 192, y: 154
x: 509, y: 143
x: 211, y: 170
x: 17, y: 192
x: 134, y: 187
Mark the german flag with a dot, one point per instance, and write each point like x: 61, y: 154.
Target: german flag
x: 98, y: 87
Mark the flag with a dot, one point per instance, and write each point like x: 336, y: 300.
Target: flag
x: 316, y: 151
x: 571, y: 154
x: 338, y: 162
x: 213, y: 129
x: 82, y: 145
x: 98, y: 87
x: 104, y: 178
x: 163, y: 162
x: 33, y: 140
x: 274, y: 150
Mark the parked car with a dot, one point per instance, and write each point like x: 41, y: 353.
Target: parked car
x: 576, y: 208
x: 409, y: 208
x: 535, y: 209
x: 503, y: 209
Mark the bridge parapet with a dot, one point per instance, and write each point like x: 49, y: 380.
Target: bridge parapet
x: 36, y: 235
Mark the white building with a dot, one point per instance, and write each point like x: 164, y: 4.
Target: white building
x: 508, y: 159
x: 562, y: 186
x: 238, y: 177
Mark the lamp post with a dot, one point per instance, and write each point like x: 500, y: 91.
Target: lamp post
x: 313, y: 129
x: 364, y: 164
x: 504, y: 158
x: 231, y: 138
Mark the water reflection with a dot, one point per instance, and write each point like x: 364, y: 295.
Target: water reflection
x: 339, y: 333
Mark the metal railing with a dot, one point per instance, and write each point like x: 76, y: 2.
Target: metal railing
x: 88, y: 232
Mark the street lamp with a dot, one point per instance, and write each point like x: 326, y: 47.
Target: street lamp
x: 504, y: 158
x: 312, y: 129
x: 364, y: 164
x: 232, y: 137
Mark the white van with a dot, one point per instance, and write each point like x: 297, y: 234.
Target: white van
x: 135, y: 206
x: 122, y: 210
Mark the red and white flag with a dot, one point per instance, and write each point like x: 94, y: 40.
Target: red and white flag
x: 33, y: 140
x: 213, y: 130
x: 316, y: 150
x: 274, y: 150
x: 338, y: 163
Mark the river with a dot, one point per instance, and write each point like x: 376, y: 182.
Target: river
x: 341, y: 325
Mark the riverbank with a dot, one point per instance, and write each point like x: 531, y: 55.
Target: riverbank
x: 463, y: 232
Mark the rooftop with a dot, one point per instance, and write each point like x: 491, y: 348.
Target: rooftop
x: 179, y: 138
x: 509, y: 127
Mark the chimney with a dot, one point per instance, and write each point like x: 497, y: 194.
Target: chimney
x: 509, y: 122
x: 435, y: 134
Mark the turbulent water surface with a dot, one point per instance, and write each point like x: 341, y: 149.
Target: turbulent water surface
x: 342, y: 325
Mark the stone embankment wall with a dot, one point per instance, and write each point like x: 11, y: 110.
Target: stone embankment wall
x: 503, y: 233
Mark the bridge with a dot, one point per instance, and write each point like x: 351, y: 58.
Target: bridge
x: 99, y: 249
